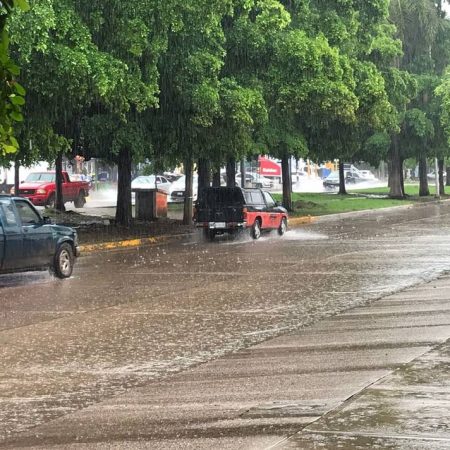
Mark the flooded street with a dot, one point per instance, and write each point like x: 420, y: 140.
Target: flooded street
x: 128, y: 317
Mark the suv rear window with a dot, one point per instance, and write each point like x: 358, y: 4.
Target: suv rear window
x: 221, y: 196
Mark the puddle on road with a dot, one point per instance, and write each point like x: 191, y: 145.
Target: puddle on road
x: 303, y: 235
x: 26, y: 278
x: 291, y: 235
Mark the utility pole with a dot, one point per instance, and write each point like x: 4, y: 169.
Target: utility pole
x: 436, y: 177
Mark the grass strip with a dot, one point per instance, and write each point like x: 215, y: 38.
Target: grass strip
x: 324, y: 203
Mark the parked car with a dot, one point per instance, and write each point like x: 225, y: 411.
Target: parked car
x: 40, y: 189
x: 103, y: 176
x: 254, y: 180
x: 151, y: 182
x: 81, y: 177
x: 222, y: 210
x: 431, y: 176
x: 331, y: 181
x: 172, y: 176
x: 353, y: 177
x: 176, y: 194
x: 29, y: 241
x: 367, y: 175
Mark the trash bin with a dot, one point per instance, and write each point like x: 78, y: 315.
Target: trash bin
x: 150, y: 204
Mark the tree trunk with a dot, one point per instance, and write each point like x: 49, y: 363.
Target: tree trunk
x: 448, y: 177
x: 441, y: 163
x: 124, y: 209
x: 342, y: 190
x: 231, y: 172
x: 203, y: 175
x: 16, y: 177
x: 242, y: 173
x: 389, y: 166
x: 402, y: 177
x: 59, y: 182
x: 424, y: 191
x: 188, y: 188
x: 286, y: 179
x: 395, y: 170
x: 216, y: 178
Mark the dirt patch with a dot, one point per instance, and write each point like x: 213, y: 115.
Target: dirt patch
x: 93, y: 229
x: 300, y: 204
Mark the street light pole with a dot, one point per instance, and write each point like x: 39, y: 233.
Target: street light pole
x: 436, y: 177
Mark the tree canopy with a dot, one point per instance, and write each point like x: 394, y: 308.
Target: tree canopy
x: 219, y: 80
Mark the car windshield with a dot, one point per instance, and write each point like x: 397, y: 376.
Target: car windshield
x: 333, y: 176
x: 145, y: 180
x: 182, y: 181
x: 40, y: 177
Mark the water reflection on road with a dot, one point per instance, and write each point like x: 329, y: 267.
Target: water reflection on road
x: 130, y: 316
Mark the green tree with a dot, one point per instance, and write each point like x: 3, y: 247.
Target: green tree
x: 11, y: 92
x: 64, y: 71
x: 424, y: 31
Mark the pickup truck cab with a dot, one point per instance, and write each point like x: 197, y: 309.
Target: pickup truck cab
x: 222, y: 210
x: 30, y: 242
x: 40, y: 189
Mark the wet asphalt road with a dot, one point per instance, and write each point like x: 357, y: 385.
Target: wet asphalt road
x: 128, y: 317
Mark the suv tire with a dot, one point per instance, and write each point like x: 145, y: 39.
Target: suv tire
x: 208, y: 234
x: 51, y: 202
x: 80, y: 201
x: 63, y: 261
x: 256, y: 230
x: 283, y: 227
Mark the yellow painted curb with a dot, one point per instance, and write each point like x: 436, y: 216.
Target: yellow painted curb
x: 303, y: 220
x: 90, y: 248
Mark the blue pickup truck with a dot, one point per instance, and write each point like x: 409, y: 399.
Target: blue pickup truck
x: 30, y: 242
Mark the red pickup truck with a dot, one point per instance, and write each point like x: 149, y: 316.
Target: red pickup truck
x: 40, y: 189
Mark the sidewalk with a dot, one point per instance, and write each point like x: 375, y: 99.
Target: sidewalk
x: 375, y: 376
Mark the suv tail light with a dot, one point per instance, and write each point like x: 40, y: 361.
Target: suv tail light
x: 244, y: 212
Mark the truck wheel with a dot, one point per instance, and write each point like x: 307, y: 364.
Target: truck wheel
x: 64, y: 261
x: 283, y: 227
x: 208, y: 234
x: 80, y: 201
x: 51, y: 202
x: 256, y: 230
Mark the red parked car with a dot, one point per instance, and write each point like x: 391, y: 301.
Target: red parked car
x: 40, y: 189
x: 222, y: 210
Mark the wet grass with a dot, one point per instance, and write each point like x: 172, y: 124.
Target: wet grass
x: 410, y: 190
x: 322, y: 204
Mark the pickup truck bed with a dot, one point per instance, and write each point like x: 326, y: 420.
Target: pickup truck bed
x: 40, y: 189
x: 30, y: 242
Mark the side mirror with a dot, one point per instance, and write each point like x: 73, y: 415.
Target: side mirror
x: 47, y: 220
x: 278, y: 204
x: 22, y: 182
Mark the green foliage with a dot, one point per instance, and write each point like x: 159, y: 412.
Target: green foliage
x: 322, y: 204
x: 12, y: 94
x: 376, y: 148
x: 220, y: 79
x: 443, y: 91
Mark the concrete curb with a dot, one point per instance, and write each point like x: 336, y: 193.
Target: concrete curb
x: 129, y: 243
x: 302, y: 220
